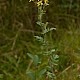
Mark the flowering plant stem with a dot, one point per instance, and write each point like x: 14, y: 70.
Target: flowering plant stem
x: 44, y: 47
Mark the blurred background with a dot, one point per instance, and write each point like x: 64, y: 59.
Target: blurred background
x: 18, y: 27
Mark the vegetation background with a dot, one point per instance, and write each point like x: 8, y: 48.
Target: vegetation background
x: 18, y: 28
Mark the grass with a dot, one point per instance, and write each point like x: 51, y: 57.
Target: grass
x: 17, y: 39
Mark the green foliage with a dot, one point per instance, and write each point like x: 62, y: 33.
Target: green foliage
x: 31, y: 75
x: 39, y: 46
x: 41, y: 72
x: 35, y: 58
x: 53, y: 58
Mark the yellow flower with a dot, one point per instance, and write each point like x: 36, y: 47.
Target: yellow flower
x: 46, y: 2
x: 31, y: 0
x: 39, y: 3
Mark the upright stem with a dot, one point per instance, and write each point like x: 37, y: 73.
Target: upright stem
x: 40, y: 19
x: 40, y: 13
x: 40, y: 16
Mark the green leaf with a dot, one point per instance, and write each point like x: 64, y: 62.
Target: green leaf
x: 55, y: 59
x: 31, y: 75
x: 40, y: 23
x: 30, y: 55
x: 52, y: 29
x: 51, y: 75
x: 35, y: 58
x: 41, y: 72
x: 53, y: 50
x: 45, y: 25
x: 39, y: 38
x: 48, y: 30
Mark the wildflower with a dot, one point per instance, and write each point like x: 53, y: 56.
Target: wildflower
x: 42, y: 2
x: 46, y: 2
x: 39, y: 3
x: 31, y: 0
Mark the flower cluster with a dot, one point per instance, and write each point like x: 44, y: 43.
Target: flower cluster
x: 40, y: 2
x: 31, y: 0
